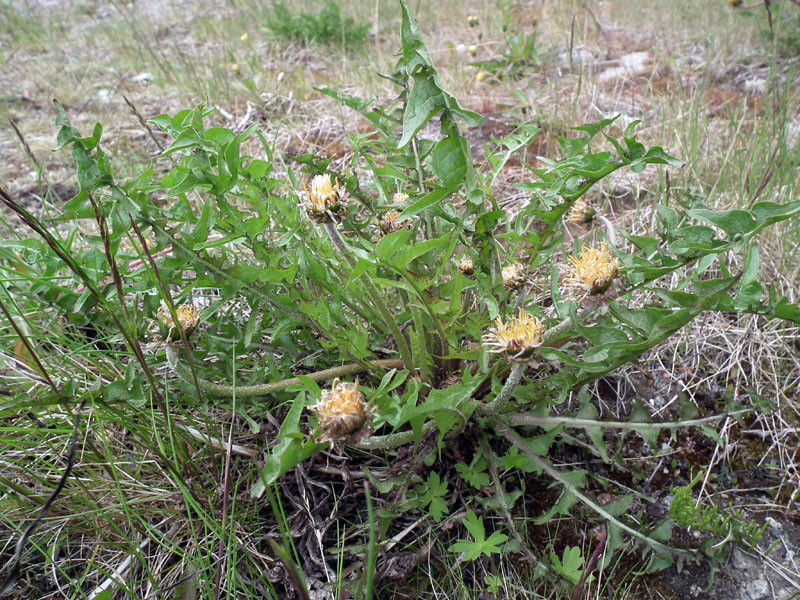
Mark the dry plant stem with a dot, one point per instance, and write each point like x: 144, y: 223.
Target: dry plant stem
x: 165, y: 292
x: 225, y: 493
x: 130, y: 339
x: 265, y: 389
x: 216, y: 442
x: 375, y: 295
x: 512, y: 437
x: 611, y: 231
x: 592, y: 564
x: 523, y: 419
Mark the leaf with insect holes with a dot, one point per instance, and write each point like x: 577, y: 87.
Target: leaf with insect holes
x: 472, y: 549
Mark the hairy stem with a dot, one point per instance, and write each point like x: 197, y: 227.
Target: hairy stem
x: 265, y: 389
x: 503, y: 399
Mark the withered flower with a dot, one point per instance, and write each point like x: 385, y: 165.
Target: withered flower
x: 466, y: 266
x: 188, y: 319
x: 344, y: 414
x: 325, y: 199
x: 515, y: 276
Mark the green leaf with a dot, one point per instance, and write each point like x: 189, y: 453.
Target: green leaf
x: 569, y: 566
x: 401, y: 259
x: 595, y: 433
x: 427, y: 201
x: 730, y: 221
x: 449, y: 161
x: 577, y: 479
x: 292, y: 449
x: 389, y: 244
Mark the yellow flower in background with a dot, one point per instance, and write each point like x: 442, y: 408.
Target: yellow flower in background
x: 472, y: 20
x: 473, y: 50
x: 515, y: 276
x: 324, y: 199
x: 480, y: 76
x: 580, y: 213
x: 235, y: 68
x: 517, y: 337
x: 188, y: 319
x: 466, y: 266
x: 244, y: 37
x: 343, y: 413
x: 388, y: 222
x: 594, y: 270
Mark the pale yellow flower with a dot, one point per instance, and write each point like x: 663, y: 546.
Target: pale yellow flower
x: 515, y: 276
x: 235, y: 68
x: 343, y: 413
x: 188, y: 319
x: 400, y: 198
x: 594, y: 270
x: 580, y: 213
x: 244, y: 37
x: 518, y: 337
x: 324, y: 199
x: 480, y: 76
x: 472, y: 20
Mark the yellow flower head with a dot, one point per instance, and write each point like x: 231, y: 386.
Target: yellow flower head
x: 466, y: 266
x: 515, y: 276
x: 244, y: 37
x: 473, y: 50
x: 594, y: 270
x: 399, y: 198
x: 324, y: 199
x: 235, y: 68
x: 580, y: 213
x: 343, y: 413
x: 473, y: 20
x: 388, y: 222
x: 735, y: 2
x: 188, y: 319
x: 518, y: 337
x: 480, y: 76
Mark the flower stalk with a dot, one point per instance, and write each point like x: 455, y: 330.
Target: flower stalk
x: 375, y: 296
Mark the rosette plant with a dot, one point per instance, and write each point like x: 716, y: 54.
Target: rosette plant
x: 436, y: 310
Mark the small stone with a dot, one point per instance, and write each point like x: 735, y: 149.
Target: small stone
x: 741, y: 561
x: 143, y: 77
x: 757, y: 590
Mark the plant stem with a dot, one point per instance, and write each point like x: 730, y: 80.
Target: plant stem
x: 265, y: 389
x: 522, y: 419
x: 503, y: 399
x: 377, y: 298
x: 545, y: 466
